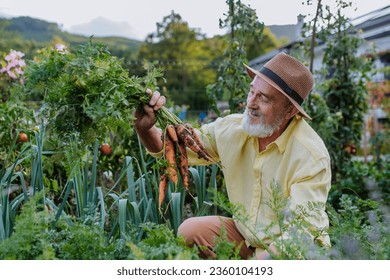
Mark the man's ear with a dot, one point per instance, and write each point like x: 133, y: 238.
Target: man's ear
x: 291, y: 112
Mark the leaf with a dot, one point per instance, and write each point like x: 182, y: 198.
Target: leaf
x: 91, y: 84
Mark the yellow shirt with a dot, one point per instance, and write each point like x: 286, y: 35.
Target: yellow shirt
x: 297, y: 160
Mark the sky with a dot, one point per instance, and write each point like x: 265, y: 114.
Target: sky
x: 137, y: 18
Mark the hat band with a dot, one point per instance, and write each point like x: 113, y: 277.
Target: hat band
x: 282, y: 84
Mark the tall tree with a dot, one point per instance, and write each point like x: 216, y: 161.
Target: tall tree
x: 185, y: 55
x: 258, y: 45
x: 232, y: 83
x: 341, y: 81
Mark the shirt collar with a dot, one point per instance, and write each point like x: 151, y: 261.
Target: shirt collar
x: 282, y: 141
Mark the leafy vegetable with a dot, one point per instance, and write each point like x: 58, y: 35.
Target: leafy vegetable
x: 88, y: 92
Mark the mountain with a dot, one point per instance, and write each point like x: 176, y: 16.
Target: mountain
x: 31, y: 28
x: 102, y: 27
x: 32, y: 34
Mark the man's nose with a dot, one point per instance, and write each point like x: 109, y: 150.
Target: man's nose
x: 251, y: 100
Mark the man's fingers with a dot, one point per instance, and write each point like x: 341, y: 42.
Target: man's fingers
x: 160, y: 102
x: 157, y: 100
x: 149, y: 91
x: 154, y: 98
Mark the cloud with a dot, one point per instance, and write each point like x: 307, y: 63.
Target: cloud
x: 103, y: 27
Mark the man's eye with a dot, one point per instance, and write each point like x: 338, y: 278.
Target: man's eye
x: 264, y: 98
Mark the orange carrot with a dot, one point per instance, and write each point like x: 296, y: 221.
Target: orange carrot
x: 170, y: 157
x: 172, y: 133
x: 185, y: 136
x: 162, y: 188
x: 196, y: 138
x: 183, y: 166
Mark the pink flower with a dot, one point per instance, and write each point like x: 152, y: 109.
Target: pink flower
x: 14, y: 55
x: 12, y: 74
x: 60, y: 48
x: 19, y: 71
x: 14, y: 64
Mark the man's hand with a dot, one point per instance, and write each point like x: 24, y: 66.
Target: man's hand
x: 149, y: 134
x: 146, y: 119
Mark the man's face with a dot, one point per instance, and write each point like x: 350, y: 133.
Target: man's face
x: 266, y: 109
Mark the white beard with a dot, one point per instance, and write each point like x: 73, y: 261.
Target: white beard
x: 261, y: 129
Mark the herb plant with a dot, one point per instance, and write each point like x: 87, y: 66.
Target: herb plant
x: 88, y: 92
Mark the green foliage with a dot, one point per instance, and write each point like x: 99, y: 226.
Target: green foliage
x: 29, y: 241
x: 232, y: 81
x: 15, y: 117
x: 14, y: 40
x: 87, y: 92
x: 204, y: 181
x: 81, y: 241
x: 87, y: 195
x: 186, y: 57
x: 35, y: 239
x: 224, y: 249
x: 380, y: 144
x: 344, y: 77
x: 15, y: 186
x: 359, y: 198
x: 359, y: 230
x: 262, y: 43
x: 323, y: 121
x: 160, y: 243
x: 37, y: 29
x: 365, y: 180
x: 298, y: 238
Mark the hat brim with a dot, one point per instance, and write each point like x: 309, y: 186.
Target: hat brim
x: 253, y: 73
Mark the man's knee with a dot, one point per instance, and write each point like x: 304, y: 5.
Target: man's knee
x: 201, y: 229
x: 189, y: 229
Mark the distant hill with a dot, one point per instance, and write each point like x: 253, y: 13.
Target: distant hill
x: 40, y: 33
x: 33, y: 29
x: 103, y: 27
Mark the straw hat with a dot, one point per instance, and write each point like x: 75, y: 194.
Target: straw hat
x: 289, y: 76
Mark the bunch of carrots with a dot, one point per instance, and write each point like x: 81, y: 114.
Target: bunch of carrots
x: 176, y: 138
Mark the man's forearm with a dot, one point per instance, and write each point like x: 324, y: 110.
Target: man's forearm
x: 151, y: 139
